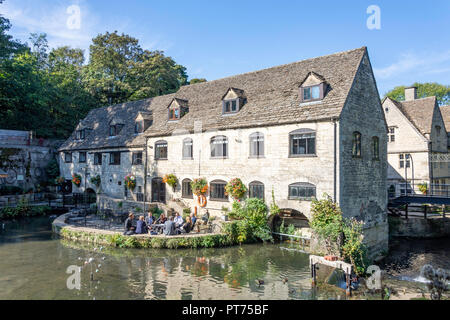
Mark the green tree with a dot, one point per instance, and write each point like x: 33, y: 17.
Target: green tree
x: 442, y: 92
x: 119, y: 70
x: 197, y: 80
x: 8, y: 46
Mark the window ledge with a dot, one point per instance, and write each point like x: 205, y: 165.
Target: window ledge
x: 301, y: 199
x: 257, y: 157
x: 303, y: 156
x: 219, y: 158
x: 161, y: 159
x: 309, y: 103
x: 230, y: 114
x: 219, y: 200
x: 188, y: 158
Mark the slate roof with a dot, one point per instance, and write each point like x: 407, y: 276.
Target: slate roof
x: 419, y: 112
x: 445, y: 111
x: 272, y: 98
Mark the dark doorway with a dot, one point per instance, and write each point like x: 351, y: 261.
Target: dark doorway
x: 91, y: 196
x: 158, y: 190
x: 66, y: 187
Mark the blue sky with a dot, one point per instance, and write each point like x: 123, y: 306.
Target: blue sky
x: 215, y: 39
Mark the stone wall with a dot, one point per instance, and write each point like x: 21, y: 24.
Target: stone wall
x: 276, y: 170
x: 419, y: 227
x: 362, y: 188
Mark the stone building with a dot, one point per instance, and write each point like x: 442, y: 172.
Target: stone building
x: 24, y: 158
x: 445, y: 111
x: 296, y: 131
x: 418, y: 144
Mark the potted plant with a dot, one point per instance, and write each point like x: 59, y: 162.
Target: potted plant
x: 225, y: 213
x: 199, y: 186
x: 171, y: 180
x: 423, y: 187
x: 76, y: 179
x: 130, y: 182
x: 236, y: 189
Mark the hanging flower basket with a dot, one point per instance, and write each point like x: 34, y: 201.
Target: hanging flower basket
x: 96, y: 181
x: 171, y: 180
x: 76, y: 179
x: 60, y: 180
x: 199, y: 186
x: 236, y: 189
x: 130, y: 182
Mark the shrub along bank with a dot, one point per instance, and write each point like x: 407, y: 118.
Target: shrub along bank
x: 24, y: 210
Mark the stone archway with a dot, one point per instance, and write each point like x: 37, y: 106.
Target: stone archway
x: 290, y: 217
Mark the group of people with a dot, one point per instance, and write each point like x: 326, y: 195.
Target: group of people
x: 173, y: 225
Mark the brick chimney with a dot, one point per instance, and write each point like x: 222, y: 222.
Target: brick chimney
x: 410, y: 93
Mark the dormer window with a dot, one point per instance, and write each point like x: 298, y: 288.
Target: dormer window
x: 142, y: 122
x: 174, y: 114
x: 313, y: 88
x: 177, y: 109
x: 233, y: 101
x: 311, y: 93
x: 115, y: 129
x: 231, y: 106
x: 81, y: 134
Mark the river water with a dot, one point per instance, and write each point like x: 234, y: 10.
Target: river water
x: 33, y: 265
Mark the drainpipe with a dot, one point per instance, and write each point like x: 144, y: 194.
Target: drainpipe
x: 430, y: 163
x: 145, y: 174
x: 335, y: 160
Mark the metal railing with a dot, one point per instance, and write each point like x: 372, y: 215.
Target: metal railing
x: 409, y: 189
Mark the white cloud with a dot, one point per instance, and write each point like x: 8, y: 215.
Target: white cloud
x: 419, y: 64
x: 51, y: 20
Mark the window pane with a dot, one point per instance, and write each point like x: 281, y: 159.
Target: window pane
x: 307, y: 94
x: 233, y: 105
x: 227, y: 106
x: 315, y: 92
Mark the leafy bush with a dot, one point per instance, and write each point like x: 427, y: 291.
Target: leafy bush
x: 343, y: 237
x: 251, y: 224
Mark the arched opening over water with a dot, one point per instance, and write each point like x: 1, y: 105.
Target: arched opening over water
x: 290, y: 217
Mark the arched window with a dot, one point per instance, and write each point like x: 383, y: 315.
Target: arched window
x: 302, y: 142
x: 219, y: 147
x: 188, y: 149
x: 302, y: 191
x: 376, y: 148
x: 257, y: 145
x: 186, y: 189
x: 356, y: 150
x: 161, y: 150
x: 256, y: 190
x: 217, y: 190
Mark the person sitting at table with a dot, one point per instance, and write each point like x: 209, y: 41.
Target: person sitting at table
x: 149, y: 219
x: 193, y: 219
x: 129, y: 228
x: 186, y: 227
x: 162, y: 219
x: 205, y: 217
x: 169, y: 227
x: 141, y: 227
x: 178, y: 220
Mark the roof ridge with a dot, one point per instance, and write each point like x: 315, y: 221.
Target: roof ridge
x: 278, y: 66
